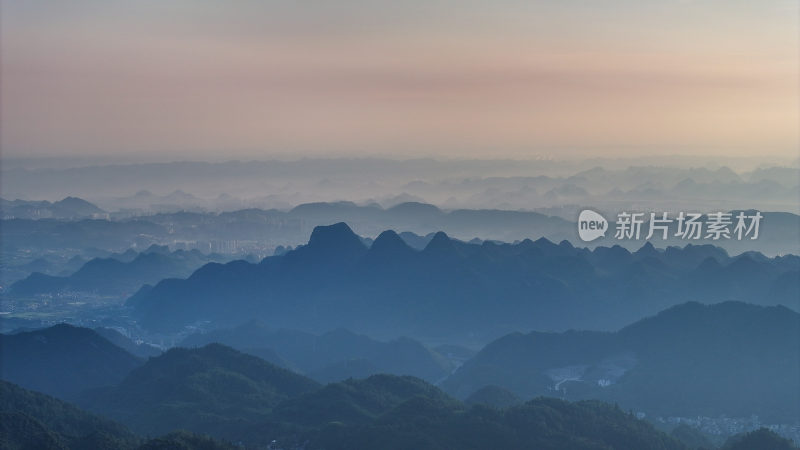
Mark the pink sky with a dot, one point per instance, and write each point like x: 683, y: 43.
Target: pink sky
x: 436, y: 78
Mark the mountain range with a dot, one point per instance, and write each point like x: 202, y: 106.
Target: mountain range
x: 115, y: 276
x: 254, y: 229
x: 460, y: 292
x: 225, y: 393
x: 35, y: 421
x: 230, y: 395
x: 728, y: 359
x: 31, y: 420
x: 68, y: 208
x: 213, y: 389
x: 332, y: 356
x: 692, y: 360
x: 474, y: 184
x: 63, y: 360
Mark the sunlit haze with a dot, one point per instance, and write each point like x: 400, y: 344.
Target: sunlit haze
x: 413, y: 78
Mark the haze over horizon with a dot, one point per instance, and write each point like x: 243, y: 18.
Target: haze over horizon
x: 428, y: 224
x: 425, y: 79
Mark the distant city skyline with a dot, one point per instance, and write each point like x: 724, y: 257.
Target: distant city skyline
x: 440, y: 79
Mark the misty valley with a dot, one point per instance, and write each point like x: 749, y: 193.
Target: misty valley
x: 399, y: 225
x: 399, y: 325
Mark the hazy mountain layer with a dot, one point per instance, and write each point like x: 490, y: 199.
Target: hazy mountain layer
x: 113, y: 277
x: 332, y: 356
x: 233, y: 396
x: 460, y: 291
x: 63, y: 360
x: 505, y: 184
x: 729, y: 359
x: 30, y: 420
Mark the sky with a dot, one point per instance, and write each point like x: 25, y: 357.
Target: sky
x: 441, y: 78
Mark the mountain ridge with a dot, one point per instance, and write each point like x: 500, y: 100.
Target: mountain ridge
x: 497, y: 288
x: 735, y: 355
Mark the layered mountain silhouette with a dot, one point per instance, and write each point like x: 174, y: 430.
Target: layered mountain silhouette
x: 230, y: 395
x: 761, y: 438
x: 63, y: 360
x: 31, y: 420
x: 549, y: 424
x: 289, y: 227
x: 68, y: 208
x: 359, y: 402
x: 459, y: 290
x: 332, y: 356
x: 478, y: 184
x: 115, y: 276
x: 729, y: 359
x: 213, y: 389
x: 60, y: 235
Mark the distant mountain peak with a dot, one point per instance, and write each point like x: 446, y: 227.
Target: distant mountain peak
x: 336, y: 234
x: 71, y: 199
x: 415, y: 207
x: 547, y: 246
x: 389, y: 240
x: 440, y: 242
x: 543, y: 241
x: 77, y: 206
x: 648, y: 249
x: 619, y: 250
x: 527, y: 242
x: 332, y: 241
x: 566, y: 244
